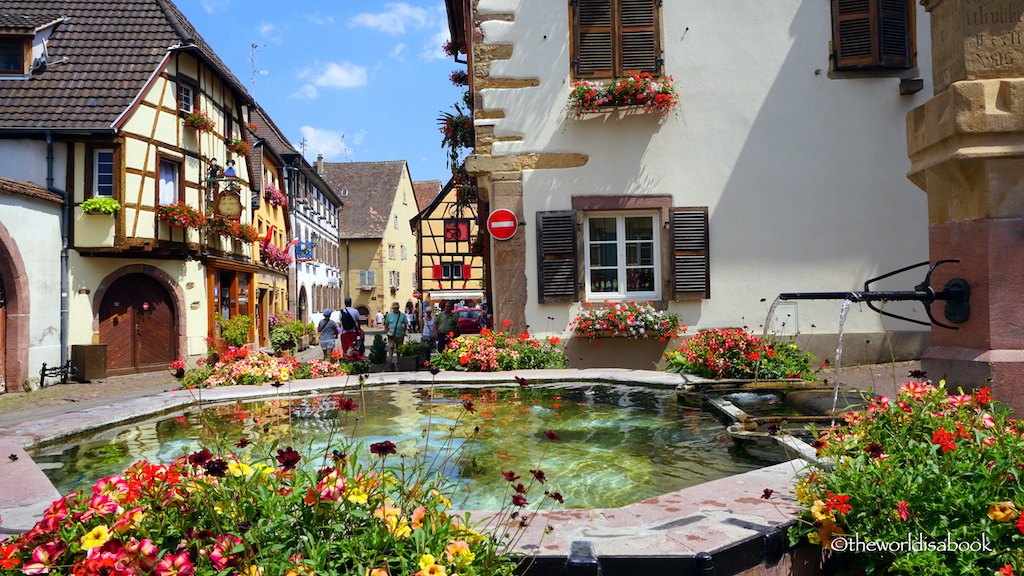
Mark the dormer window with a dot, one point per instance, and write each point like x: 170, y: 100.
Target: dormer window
x: 14, y: 54
x: 23, y: 40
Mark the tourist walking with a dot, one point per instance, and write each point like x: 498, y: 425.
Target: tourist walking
x: 328, y: 330
x: 447, y: 324
x: 379, y: 319
x: 349, y: 327
x: 394, y: 328
x: 429, y: 326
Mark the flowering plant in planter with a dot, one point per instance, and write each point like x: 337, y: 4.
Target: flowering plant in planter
x: 626, y: 320
x: 199, y: 120
x: 181, y: 215
x: 274, y: 196
x: 100, y: 206
x: 459, y: 78
x: 494, y: 350
x: 232, y: 229
x: 932, y: 468
x: 272, y: 255
x: 452, y: 48
x: 653, y: 94
x: 734, y: 353
x: 238, y: 146
x: 457, y: 129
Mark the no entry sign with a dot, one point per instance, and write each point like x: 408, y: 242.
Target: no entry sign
x: 502, y: 224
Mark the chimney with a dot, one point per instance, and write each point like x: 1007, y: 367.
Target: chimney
x: 320, y: 164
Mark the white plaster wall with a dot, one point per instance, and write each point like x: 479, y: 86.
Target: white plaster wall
x: 315, y: 272
x: 25, y: 160
x: 35, y: 227
x: 804, y: 175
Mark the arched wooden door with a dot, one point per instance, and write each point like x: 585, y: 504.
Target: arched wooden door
x: 137, y: 323
x: 3, y: 337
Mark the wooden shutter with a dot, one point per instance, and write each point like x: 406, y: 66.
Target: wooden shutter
x: 871, y: 34
x: 616, y: 37
x: 593, y: 34
x: 639, y: 37
x: 437, y: 271
x: 556, y: 256
x: 690, y: 262
x: 467, y: 271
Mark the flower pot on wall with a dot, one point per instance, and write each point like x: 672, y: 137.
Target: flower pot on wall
x: 618, y: 352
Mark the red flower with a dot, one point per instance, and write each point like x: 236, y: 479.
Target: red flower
x: 519, y: 500
x: 838, y: 502
x: 383, y: 448
x: 944, y: 439
x: 901, y: 508
x: 346, y: 404
x: 243, y: 443
x: 556, y: 496
x: 551, y: 435
x: 288, y: 458
x: 200, y: 458
x: 767, y: 493
x: 539, y: 475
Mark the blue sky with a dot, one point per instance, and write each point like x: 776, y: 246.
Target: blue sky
x: 360, y: 81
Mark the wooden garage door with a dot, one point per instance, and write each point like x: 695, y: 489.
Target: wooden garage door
x: 137, y: 322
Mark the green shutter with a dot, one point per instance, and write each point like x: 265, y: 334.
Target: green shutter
x: 690, y: 259
x: 556, y: 256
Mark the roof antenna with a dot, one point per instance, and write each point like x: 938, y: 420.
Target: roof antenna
x: 255, y: 72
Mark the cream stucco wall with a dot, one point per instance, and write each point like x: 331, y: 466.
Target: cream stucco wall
x: 803, y: 174
x: 403, y: 209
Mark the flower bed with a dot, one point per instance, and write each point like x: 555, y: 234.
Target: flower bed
x: 238, y: 146
x: 494, y: 351
x: 650, y: 93
x: 734, y: 353
x: 181, y: 215
x: 931, y: 468
x: 626, y: 320
x: 242, y: 367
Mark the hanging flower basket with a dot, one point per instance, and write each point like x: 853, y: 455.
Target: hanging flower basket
x: 459, y: 78
x: 238, y: 146
x: 181, y: 215
x: 271, y: 255
x: 274, y: 196
x: 458, y: 130
x: 199, y: 120
x: 653, y: 95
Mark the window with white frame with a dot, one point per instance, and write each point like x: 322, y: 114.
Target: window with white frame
x: 451, y: 271
x: 169, y: 182
x: 405, y: 252
x: 103, y: 173
x: 391, y: 251
x: 621, y: 254
x: 367, y: 277
x: 393, y: 278
x: 186, y: 97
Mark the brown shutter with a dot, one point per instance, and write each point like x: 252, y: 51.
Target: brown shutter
x: 593, y: 37
x: 639, y: 45
x: 895, y: 27
x: 556, y: 256
x: 690, y: 263
x: 853, y: 33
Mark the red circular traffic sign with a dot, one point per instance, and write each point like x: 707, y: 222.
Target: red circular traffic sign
x: 502, y: 224
x: 415, y: 293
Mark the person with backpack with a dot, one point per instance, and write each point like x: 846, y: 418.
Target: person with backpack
x: 328, y: 330
x: 349, y: 327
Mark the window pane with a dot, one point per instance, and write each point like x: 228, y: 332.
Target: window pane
x: 11, y: 59
x: 639, y: 228
x: 639, y: 253
x: 602, y: 229
x: 104, y: 181
x: 604, y: 281
x: 603, y: 255
x: 640, y: 280
x: 168, y: 182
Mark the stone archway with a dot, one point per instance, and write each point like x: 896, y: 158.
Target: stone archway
x: 16, y: 311
x: 177, y: 298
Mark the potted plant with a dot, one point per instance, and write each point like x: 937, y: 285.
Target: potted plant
x: 282, y: 339
x: 200, y: 121
x: 235, y: 330
x: 274, y: 196
x: 181, y: 215
x: 378, y: 354
x: 238, y: 146
x: 654, y: 95
x: 626, y: 320
x: 100, y: 206
x: 272, y: 255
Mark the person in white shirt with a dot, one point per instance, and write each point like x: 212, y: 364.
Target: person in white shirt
x: 379, y: 319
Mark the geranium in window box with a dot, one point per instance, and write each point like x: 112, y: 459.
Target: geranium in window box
x: 654, y: 95
x: 625, y: 320
x: 181, y: 215
x: 272, y: 255
x: 100, y: 206
x: 274, y: 196
x: 232, y: 229
x: 238, y: 146
x: 199, y: 120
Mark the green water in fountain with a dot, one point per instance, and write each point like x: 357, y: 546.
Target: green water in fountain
x: 618, y: 444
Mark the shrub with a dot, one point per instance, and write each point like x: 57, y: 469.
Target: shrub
x: 235, y: 330
x: 733, y: 353
x: 378, y: 350
x: 492, y: 351
x: 930, y: 468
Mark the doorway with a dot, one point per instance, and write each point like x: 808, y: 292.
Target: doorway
x: 138, y: 324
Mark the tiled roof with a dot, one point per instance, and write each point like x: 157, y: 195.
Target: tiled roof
x: 26, y: 189
x: 425, y: 193
x: 25, y: 22
x: 99, y: 59
x: 372, y: 188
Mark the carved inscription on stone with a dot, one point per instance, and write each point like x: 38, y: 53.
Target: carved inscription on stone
x: 976, y: 39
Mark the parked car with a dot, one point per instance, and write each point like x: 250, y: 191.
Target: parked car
x: 469, y: 320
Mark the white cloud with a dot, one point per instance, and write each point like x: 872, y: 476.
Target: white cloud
x: 266, y: 28
x: 307, y: 92
x: 397, y: 52
x: 394, y: 19
x: 434, y: 48
x: 318, y: 18
x: 214, y: 6
x: 327, y: 142
x: 343, y: 75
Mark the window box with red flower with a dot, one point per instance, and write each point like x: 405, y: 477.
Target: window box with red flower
x: 641, y: 91
x: 181, y: 215
x: 231, y: 229
x: 200, y: 121
x: 238, y: 146
x: 272, y: 255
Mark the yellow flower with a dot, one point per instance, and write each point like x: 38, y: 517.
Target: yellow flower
x: 1002, y: 511
x: 447, y: 503
x: 253, y: 571
x: 427, y: 560
x: 458, y: 552
x: 376, y: 572
x: 98, y: 536
x: 816, y: 512
x: 236, y: 468
x: 356, y: 495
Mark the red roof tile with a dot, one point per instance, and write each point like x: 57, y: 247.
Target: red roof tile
x: 26, y: 189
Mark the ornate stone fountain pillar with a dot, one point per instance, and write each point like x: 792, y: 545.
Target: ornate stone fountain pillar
x: 966, y: 147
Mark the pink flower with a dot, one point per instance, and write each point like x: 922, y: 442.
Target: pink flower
x: 175, y: 565
x: 44, y: 557
x: 901, y: 508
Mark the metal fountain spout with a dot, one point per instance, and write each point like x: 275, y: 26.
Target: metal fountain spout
x: 955, y: 294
